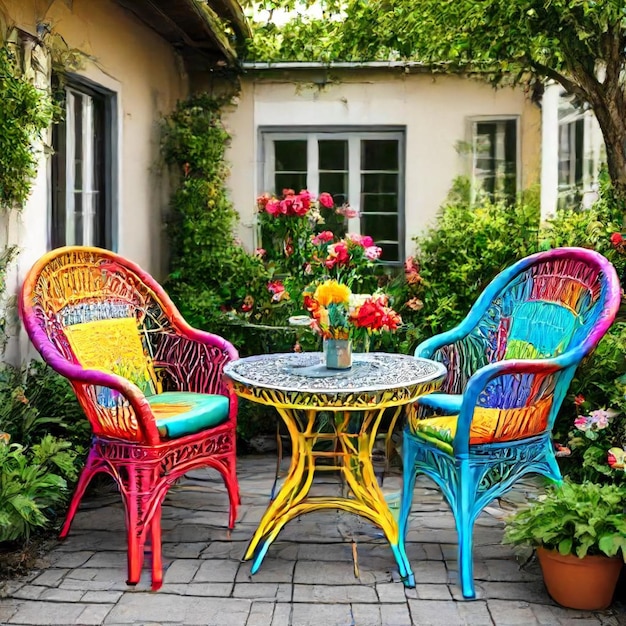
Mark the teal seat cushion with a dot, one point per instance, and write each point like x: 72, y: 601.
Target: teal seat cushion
x: 179, y: 413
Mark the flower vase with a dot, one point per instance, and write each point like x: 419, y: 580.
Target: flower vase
x: 338, y: 354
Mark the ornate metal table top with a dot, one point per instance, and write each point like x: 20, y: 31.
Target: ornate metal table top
x: 302, y: 380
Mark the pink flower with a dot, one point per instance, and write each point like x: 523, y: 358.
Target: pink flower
x: 415, y: 304
x: 298, y: 207
x: 582, y: 423
x: 260, y: 252
x: 347, y: 211
x: 272, y: 207
x: 601, y: 417
x: 305, y: 198
x: 285, y: 205
x: 262, y: 201
x: 322, y: 238
x: 367, y: 241
x: 277, y: 289
x: 372, y: 253
x: 326, y: 200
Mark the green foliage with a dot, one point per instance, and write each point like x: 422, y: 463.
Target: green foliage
x: 25, y: 113
x: 464, y: 250
x: 36, y: 401
x: 590, y: 228
x: 32, y: 485
x: 574, y: 518
x: 210, y: 271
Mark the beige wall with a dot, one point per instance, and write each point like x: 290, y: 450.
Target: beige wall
x: 125, y: 56
x: 434, y: 111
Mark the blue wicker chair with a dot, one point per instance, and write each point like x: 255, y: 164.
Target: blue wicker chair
x: 510, y: 363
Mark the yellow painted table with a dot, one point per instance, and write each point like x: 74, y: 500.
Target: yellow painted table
x: 300, y: 387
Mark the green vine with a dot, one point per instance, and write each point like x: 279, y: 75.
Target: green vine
x: 25, y: 114
x: 210, y: 271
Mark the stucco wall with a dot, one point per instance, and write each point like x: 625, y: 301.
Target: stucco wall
x: 434, y: 111
x: 125, y: 56
x: 129, y: 58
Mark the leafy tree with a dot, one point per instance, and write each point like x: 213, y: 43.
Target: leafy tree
x: 580, y: 44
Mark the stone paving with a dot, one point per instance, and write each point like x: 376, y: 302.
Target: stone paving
x: 327, y: 568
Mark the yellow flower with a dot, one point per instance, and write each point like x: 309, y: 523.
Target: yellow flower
x: 332, y: 292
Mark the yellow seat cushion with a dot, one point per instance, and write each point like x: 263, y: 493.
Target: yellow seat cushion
x: 114, y: 345
x: 179, y: 413
x: 488, y: 425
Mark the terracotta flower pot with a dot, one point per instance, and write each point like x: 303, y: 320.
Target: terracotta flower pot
x: 587, y: 583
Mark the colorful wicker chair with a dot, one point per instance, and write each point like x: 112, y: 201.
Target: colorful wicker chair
x: 510, y: 363
x: 150, y: 385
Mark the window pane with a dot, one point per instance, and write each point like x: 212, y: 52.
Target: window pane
x: 296, y: 182
x: 333, y: 154
x: 78, y: 221
x: 377, y: 203
x: 336, y: 185
x: 379, y: 183
x: 290, y: 155
x: 495, y: 158
x: 380, y: 227
x: 80, y: 196
x: 78, y: 140
x: 391, y: 252
x: 379, y: 154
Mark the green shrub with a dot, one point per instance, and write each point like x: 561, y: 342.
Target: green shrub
x: 36, y: 401
x: 33, y: 485
x: 463, y: 252
x: 209, y: 271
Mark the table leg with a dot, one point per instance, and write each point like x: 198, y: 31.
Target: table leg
x: 355, y: 464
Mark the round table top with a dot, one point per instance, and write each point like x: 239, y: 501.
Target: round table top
x: 302, y: 379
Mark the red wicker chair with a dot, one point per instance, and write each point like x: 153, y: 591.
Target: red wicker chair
x: 150, y: 385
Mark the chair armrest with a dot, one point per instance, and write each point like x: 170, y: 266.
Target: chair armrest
x: 83, y: 380
x: 481, y: 378
x: 189, y: 359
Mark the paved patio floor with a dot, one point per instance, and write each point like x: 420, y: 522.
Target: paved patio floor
x: 327, y: 568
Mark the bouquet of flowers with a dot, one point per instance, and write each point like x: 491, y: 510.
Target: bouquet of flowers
x: 337, y: 313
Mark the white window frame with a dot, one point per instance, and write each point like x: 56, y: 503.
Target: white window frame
x: 592, y: 153
x: 63, y: 233
x: 472, y: 133
x: 354, y: 138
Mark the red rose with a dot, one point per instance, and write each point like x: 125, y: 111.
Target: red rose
x: 579, y: 399
x: 616, y: 239
x: 326, y: 200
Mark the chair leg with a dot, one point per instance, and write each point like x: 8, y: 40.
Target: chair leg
x: 232, y: 487
x: 155, y: 541
x: 465, y: 530
x: 409, y: 453
x: 86, y: 475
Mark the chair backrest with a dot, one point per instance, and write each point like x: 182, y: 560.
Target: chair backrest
x: 94, y: 309
x: 553, y: 303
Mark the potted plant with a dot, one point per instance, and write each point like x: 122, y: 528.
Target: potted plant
x: 579, y: 531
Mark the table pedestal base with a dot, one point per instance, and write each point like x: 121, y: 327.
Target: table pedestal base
x: 351, y: 458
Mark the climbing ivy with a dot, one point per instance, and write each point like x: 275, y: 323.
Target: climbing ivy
x: 210, y: 272
x: 26, y: 112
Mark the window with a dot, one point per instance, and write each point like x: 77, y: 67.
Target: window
x: 494, y: 159
x: 580, y: 153
x: 82, y: 167
x: 362, y: 168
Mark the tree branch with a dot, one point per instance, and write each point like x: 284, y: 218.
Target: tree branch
x: 570, y: 86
